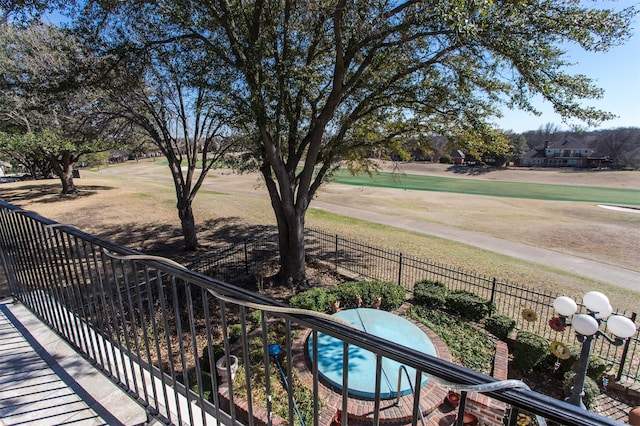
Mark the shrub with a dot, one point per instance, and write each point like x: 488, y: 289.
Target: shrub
x: 255, y: 318
x: 591, y: 389
x: 529, y: 350
x: 597, y: 366
x: 565, y: 364
x: 468, y: 305
x: 315, y: 299
x: 235, y: 333
x: 393, y: 295
x: 431, y: 294
x: 500, y: 326
x: 446, y: 159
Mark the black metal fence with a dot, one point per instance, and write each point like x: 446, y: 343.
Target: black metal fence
x: 369, y: 262
x: 153, y: 326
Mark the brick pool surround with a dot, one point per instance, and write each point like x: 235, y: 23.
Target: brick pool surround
x: 432, y: 394
x: 436, y: 411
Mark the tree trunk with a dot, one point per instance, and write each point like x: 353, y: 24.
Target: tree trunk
x: 188, y: 223
x: 290, y: 220
x: 68, y: 187
x: 62, y: 166
x: 292, y: 251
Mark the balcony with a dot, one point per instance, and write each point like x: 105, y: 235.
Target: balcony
x: 159, y: 330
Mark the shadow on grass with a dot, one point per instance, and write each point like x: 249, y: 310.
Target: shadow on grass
x: 472, y: 171
x: 166, y: 240
x: 47, y: 191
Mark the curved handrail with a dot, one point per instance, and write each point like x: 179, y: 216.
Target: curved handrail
x: 400, y: 370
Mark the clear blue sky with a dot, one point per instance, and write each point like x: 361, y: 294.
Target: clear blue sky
x: 616, y: 71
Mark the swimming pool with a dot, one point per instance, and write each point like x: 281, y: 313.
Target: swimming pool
x: 362, y: 363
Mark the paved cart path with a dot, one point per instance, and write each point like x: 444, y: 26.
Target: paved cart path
x: 607, y: 273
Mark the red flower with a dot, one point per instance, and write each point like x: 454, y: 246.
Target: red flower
x: 557, y: 324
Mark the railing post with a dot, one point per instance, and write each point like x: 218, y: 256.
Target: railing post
x: 625, y: 351
x: 400, y: 270
x: 461, y: 408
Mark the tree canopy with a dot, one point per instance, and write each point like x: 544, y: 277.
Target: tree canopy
x: 46, y: 109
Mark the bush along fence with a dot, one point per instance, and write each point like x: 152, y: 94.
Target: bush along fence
x: 530, y: 309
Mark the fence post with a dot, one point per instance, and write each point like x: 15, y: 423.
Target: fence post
x: 493, y: 292
x: 400, y: 271
x: 246, y: 258
x: 625, y: 351
x: 336, y: 252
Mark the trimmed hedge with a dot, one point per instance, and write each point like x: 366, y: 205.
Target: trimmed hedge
x: 320, y: 300
x: 500, y: 326
x: 529, y: 350
x: 393, y: 295
x: 468, y: 305
x: 430, y: 294
x: 315, y: 299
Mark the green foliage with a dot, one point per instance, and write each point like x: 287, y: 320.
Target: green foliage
x: 596, y: 368
x: 255, y: 318
x: 446, y: 159
x: 95, y: 159
x: 500, y: 326
x: 430, y: 293
x: 235, y: 333
x: 476, y: 350
x: 468, y: 305
x: 315, y: 299
x: 529, y: 350
x: 320, y: 300
x: 393, y: 295
x: 302, y: 395
x: 591, y: 389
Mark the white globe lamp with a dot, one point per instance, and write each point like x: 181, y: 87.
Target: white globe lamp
x: 585, y: 325
x: 596, y: 301
x: 621, y: 326
x: 565, y: 306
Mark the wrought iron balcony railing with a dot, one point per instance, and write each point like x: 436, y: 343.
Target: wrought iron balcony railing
x: 161, y: 331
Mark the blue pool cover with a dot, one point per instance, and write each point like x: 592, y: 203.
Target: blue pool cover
x: 362, y: 363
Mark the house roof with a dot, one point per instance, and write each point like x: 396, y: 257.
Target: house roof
x: 566, y: 144
x: 534, y: 153
x: 456, y: 153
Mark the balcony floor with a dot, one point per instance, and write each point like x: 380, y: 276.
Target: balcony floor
x: 44, y: 381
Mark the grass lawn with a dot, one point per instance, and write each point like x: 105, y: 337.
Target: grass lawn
x: 535, y: 191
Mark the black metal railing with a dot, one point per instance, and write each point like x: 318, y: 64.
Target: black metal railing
x: 160, y: 330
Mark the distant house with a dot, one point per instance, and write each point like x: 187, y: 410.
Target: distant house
x: 457, y: 156
x: 558, y: 154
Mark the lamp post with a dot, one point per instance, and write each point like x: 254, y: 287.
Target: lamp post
x: 587, y: 328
